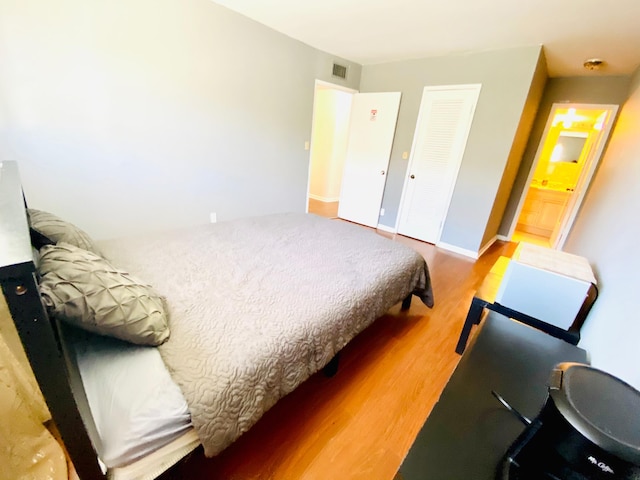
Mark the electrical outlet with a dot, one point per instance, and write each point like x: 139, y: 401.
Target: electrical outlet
x: 382, y: 212
x: 213, y: 217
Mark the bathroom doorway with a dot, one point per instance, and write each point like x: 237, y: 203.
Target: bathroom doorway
x: 571, y: 146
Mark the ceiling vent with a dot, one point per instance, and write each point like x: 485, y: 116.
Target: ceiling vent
x: 339, y: 71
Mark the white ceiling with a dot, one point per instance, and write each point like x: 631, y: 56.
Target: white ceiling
x: 378, y: 31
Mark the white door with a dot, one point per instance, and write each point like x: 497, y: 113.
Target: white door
x: 439, y: 142
x: 371, y: 129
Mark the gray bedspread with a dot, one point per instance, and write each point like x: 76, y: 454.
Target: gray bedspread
x: 258, y: 305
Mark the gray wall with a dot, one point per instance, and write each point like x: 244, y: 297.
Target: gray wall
x: 506, y: 77
x: 132, y: 116
x: 515, y: 156
x: 600, y: 89
x: 606, y: 232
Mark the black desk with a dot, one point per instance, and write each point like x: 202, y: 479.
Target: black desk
x: 468, y: 430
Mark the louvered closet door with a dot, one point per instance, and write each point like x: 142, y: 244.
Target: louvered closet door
x: 441, y: 135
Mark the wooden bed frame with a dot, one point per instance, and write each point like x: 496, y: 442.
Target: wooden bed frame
x: 44, y: 338
x: 53, y: 366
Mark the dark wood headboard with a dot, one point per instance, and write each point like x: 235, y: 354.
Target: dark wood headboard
x: 43, y: 338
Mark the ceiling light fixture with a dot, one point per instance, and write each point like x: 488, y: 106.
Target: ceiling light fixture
x: 593, y: 64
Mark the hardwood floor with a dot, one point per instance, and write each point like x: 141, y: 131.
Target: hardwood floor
x: 519, y: 236
x: 361, y: 423
x: 324, y: 209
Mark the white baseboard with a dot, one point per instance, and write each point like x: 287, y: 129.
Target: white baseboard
x: 324, y: 199
x: 461, y: 251
x: 465, y: 252
x: 385, y: 228
x: 504, y: 238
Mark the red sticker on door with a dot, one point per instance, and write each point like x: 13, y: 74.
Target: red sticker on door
x: 374, y: 114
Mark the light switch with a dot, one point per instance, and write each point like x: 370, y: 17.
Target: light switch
x: 405, y: 155
x: 306, y: 145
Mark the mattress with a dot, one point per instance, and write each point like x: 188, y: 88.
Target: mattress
x: 258, y: 305
x: 135, y: 404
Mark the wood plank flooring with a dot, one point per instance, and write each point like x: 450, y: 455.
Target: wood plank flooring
x: 361, y: 423
x: 324, y: 209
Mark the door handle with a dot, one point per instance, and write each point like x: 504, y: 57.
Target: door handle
x: 412, y: 176
x: 381, y: 172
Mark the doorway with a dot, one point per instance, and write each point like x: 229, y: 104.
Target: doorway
x: 329, y: 133
x: 352, y: 135
x: 571, y: 146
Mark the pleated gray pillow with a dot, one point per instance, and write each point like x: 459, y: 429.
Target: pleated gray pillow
x: 58, y: 230
x: 81, y: 288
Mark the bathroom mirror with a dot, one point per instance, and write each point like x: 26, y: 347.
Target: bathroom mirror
x: 569, y: 147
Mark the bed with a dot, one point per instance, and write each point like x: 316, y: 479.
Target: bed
x: 252, y: 308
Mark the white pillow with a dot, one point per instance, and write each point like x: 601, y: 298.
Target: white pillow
x: 135, y: 404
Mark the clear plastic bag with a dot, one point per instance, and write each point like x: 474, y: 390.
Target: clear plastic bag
x: 27, y: 448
